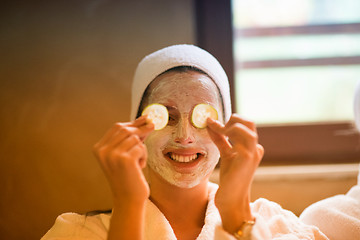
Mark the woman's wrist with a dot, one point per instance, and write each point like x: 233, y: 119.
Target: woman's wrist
x: 235, y: 214
x: 244, y: 230
x: 232, y: 222
x: 127, y: 221
x: 128, y: 204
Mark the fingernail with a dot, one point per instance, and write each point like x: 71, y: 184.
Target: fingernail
x: 150, y: 124
x: 147, y: 119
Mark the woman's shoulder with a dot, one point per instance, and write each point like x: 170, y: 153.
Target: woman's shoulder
x: 73, y: 225
x: 95, y: 217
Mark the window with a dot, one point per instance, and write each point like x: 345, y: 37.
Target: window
x: 294, y: 72
x: 296, y: 61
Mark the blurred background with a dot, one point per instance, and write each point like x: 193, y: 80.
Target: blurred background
x: 66, y: 71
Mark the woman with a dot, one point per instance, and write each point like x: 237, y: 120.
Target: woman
x: 176, y: 200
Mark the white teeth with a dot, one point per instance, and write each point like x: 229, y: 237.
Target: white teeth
x: 182, y: 158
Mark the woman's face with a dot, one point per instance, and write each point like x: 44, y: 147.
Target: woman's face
x: 180, y: 153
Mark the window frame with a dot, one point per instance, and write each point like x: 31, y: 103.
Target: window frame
x: 317, y: 143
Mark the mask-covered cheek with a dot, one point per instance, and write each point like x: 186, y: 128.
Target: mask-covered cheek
x: 156, y: 142
x: 214, y: 152
x: 205, y: 141
x: 204, y: 137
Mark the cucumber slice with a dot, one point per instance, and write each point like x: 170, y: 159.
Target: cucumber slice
x: 158, y: 114
x: 201, y: 112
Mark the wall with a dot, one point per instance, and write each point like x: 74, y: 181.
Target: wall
x: 66, y: 69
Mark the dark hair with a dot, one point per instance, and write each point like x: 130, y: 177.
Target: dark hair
x: 179, y: 69
x: 97, y: 212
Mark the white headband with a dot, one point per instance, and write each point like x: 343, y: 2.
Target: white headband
x: 164, y: 59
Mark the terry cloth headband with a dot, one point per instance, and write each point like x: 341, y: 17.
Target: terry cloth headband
x: 164, y: 59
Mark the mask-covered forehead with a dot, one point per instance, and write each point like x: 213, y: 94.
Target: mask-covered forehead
x: 184, y: 90
x: 178, y: 55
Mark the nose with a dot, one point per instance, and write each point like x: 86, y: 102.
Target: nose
x: 184, y: 132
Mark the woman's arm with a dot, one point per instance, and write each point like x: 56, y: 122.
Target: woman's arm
x: 240, y: 155
x: 127, y: 221
x: 122, y: 156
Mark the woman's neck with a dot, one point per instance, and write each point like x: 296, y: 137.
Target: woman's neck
x: 184, y: 208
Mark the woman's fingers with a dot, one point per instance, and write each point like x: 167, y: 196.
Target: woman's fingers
x: 260, y: 150
x: 241, y: 131
x: 138, y: 151
x: 126, y: 154
x: 109, y: 135
x: 123, y: 144
x: 215, y: 130
x: 118, y: 138
x: 119, y: 131
x: 128, y: 143
x: 142, y: 126
x: 241, y: 134
x: 139, y: 121
x: 122, y: 155
x: 144, y: 130
x: 236, y: 131
x: 235, y: 118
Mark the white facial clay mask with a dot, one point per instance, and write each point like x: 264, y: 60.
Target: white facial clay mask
x: 180, y: 153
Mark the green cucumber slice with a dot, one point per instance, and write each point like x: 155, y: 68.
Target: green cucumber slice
x: 201, y: 112
x: 158, y: 114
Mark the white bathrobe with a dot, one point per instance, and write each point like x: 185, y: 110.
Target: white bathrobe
x: 272, y: 222
x: 338, y: 216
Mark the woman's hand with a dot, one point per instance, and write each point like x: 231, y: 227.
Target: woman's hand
x: 240, y: 155
x: 122, y: 155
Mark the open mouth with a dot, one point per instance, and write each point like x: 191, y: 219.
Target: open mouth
x: 181, y: 158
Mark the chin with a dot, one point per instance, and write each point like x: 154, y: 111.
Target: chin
x: 186, y: 184
x: 187, y: 180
